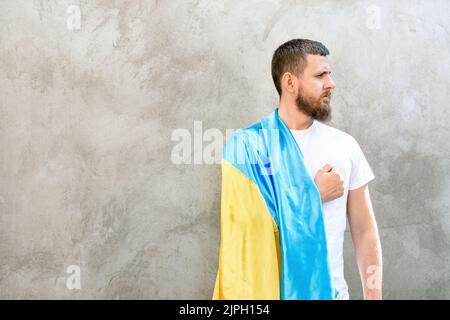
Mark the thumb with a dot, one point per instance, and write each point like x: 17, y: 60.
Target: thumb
x: 327, y: 167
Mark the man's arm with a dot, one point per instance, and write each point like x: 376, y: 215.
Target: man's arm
x: 366, y: 241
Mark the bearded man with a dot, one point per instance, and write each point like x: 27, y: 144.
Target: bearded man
x: 289, y: 184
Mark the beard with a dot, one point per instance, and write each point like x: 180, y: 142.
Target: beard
x: 315, y: 108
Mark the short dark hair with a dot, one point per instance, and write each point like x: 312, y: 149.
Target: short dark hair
x: 291, y: 57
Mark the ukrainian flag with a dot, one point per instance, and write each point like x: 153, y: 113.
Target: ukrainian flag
x: 273, y: 243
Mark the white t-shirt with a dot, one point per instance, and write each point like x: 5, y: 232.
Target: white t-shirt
x: 322, y: 144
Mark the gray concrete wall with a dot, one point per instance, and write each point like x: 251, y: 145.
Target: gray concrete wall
x: 88, y: 107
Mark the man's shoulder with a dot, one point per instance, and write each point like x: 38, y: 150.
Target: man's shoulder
x: 334, y: 134
x: 240, y: 139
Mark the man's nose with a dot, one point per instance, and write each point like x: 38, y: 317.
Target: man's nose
x: 329, y: 84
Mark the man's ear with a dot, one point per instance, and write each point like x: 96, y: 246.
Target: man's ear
x: 289, y: 83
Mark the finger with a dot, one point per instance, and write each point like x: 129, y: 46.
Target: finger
x: 336, y: 170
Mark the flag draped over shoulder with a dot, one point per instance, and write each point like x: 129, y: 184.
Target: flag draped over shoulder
x: 272, y: 233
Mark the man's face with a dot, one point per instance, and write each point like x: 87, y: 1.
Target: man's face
x: 315, y: 86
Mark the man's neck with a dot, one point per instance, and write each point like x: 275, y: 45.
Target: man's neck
x: 293, y: 118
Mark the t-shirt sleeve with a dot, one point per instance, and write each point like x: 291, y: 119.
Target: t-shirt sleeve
x: 360, y: 173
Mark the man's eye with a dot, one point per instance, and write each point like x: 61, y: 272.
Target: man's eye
x: 322, y: 74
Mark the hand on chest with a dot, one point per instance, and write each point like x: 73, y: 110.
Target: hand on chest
x: 315, y: 157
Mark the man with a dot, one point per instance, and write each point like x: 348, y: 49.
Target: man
x: 288, y: 184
